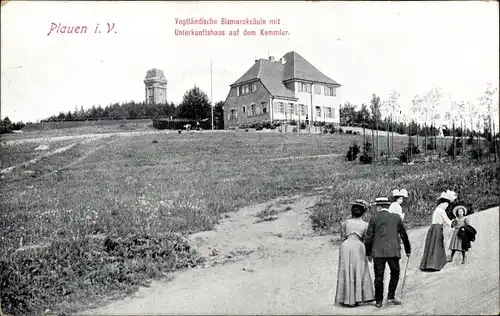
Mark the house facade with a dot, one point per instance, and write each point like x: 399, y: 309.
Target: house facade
x: 282, y: 90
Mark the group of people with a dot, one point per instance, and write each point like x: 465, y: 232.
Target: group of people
x: 379, y: 242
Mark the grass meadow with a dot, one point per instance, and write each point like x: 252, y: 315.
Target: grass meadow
x: 108, y: 215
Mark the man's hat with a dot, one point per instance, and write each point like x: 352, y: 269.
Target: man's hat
x: 398, y: 193
x: 382, y: 201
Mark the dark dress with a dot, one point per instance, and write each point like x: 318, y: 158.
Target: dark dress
x: 354, y: 282
x: 434, y: 257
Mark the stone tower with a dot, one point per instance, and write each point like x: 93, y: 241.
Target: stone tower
x: 156, y: 86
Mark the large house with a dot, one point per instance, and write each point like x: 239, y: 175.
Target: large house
x: 286, y: 89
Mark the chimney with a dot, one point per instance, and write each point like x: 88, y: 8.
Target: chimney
x: 271, y: 58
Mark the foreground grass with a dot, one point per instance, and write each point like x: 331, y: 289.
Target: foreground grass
x: 136, y: 195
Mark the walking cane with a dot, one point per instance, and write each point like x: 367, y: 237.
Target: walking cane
x: 404, y: 279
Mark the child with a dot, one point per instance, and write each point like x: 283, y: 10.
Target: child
x: 456, y: 242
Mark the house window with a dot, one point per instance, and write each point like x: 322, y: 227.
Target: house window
x: 334, y: 92
x: 333, y: 113
x: 244, y: 109
x: 232, y: 115
x: 318, y: 111
x: 302, y: 108
x: 329, y: 112
x: 264, y: 107
x: 329, y: 91
x: 317, y: 89
x: 252, y: 110
x: 254, y: 87
x: 290, y: 108
x: 280, y: 107
x: 304, y: 87
x: 238, y: 91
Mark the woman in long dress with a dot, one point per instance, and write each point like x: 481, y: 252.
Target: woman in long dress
x: 434, y: 257
x: 354, y: 282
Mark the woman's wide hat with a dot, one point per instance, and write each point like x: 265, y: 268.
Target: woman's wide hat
x: 360, y: 202
x: 460, y: 207
x: 448, y: 195
x: 400, y: 193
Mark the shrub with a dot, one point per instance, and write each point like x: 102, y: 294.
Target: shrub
x: 341, y: 131
x: 409, y: 151
x: 470, y: 139
x: 293, y: 122
x: 367, y: 156
x: 38, y: 278
x: 431, y: 143
x: 458, y: 144
x: 353, y: 152
x: 302, y: 125
x: 266, y: 124
x: 476, y: 153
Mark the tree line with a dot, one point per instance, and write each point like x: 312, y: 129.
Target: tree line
x: 471, y: 119
x: 195, y: 105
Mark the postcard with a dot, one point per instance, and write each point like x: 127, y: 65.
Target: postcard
x: 249, y: 157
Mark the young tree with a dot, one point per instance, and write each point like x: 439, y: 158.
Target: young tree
x: 416, y: 110
x: 434, y: 98
x: 392, y: 104
x: 486, y: 103
x: 347, y: 114
x: 219, y: 115
x: 195, y: 105
x: 375, y: 106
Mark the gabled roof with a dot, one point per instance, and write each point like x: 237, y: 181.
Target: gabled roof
x: 297, y: 67
x: 272, y: 74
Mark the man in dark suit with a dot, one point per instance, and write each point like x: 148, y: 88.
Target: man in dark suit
x: 383, y: 246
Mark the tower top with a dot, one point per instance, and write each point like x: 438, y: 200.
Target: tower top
x: 155, y: 75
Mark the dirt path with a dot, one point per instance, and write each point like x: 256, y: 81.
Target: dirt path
x: 278, y: 267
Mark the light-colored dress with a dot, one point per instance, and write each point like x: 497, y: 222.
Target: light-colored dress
x: 396, y: 208
x: 354, y: 282
x: 434, y: 257
x: 456, y: 241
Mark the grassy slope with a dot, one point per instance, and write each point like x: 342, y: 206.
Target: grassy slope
x: 183, y: 182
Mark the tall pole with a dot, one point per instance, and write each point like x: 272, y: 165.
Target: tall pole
x: 211, y: 94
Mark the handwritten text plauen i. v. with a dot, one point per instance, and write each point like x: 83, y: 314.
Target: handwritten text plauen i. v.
x: 59, y: 28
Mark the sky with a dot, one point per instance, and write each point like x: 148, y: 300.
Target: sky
x: 368, y: 47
